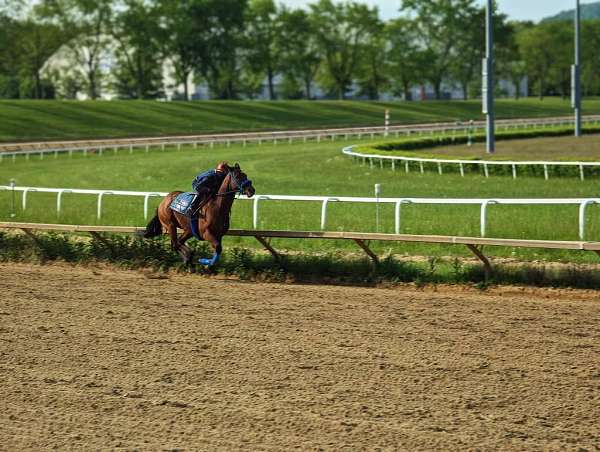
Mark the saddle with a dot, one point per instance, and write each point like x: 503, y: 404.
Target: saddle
x: 189, y: 204
x: 185, y: 203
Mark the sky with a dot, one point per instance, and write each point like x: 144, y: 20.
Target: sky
x: 516, y: 9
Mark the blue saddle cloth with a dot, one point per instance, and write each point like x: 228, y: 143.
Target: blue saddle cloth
x: 183, y: 202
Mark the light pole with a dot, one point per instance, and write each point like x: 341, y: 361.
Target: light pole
x: 487, y: 93
x: 576, y: 72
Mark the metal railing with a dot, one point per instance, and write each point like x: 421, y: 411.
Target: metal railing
x: 130, y: 144
x: 485, y: 164
x: 325, y: 201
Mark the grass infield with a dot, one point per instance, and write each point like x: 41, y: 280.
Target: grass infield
x: 309, y: 169
x: 26, y: 120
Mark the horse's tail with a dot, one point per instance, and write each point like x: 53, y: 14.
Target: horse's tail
x: 154, y: 228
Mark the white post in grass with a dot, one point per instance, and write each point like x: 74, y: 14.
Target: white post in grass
x: 377, y: 195
x: 387, y: 122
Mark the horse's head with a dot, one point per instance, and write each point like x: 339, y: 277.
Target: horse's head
x: 239, y: 181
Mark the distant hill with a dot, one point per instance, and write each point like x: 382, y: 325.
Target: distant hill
x: 588, y: 11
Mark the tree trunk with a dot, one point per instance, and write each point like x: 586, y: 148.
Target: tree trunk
x: 230, y: 88
x: 38, y: 85
x: 541, y: 89
x: 139, y: 78
x: 270, y: 81
x: 307, y: 87
x: 437, y: 87
x: 406, y: 89
x: 465, y: 90
x: 186, y: 94
x: 92, y: 92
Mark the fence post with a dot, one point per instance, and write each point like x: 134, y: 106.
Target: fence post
x: 581, y: 173
x: 255, y: 211
x: 462, y: 170
x: 59, y: 200
x: 582, y: 210
x: 514, y: 171
x: 100, y: 196
x: 397, y: 216
x: 324, y: 212
x: 24, y: 202
x: 146, y: 200
x: 483, y: 219
x: 546, y: 172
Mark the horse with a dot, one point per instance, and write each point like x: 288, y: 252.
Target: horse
x: 212, y: 221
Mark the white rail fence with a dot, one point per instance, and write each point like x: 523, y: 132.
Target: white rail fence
x: 485, y: 164
x: 102, y: 146
x: 583, y: 203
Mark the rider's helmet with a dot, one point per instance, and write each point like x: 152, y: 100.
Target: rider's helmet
x: 221, y: 167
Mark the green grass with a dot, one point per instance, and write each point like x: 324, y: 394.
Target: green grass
x: 25, y: 120
x: 309, y: 169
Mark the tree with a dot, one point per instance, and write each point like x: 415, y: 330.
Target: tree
x: 299, y: 51
x: 9, y: 83
x: 469, y: 48
x: 139, y: 62
x: 540, y: 49
x: 405, y: 60
x: 178, y: 39
x: 590, y: 56
x: 440, y: 25
x: 37, y: 42
x: 509, y: 59
x: 562, y: 44
x: 261, y: 40
x: 218, y: 27
x: 341, y: 29
x: 373, y: 65
x: 86, y: 27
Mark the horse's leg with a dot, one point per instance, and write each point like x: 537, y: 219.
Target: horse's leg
x: 184, y: 251
x: 216, y: 244
x: 174, y: 239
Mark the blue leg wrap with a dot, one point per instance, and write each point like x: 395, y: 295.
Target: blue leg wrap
x: 210, y: 262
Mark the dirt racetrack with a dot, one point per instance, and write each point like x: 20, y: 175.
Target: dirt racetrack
x: 98, y: 358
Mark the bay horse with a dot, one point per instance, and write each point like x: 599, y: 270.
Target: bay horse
x: 212, y: 217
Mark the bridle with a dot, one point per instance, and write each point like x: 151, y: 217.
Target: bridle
x: 240, y: 186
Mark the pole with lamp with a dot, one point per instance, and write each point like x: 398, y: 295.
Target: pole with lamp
x: 576, y: 72
x: 487, y: 93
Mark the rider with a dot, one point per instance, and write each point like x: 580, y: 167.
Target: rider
x: 208, y: 183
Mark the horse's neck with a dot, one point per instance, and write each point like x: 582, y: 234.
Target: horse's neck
x: 224, y: 201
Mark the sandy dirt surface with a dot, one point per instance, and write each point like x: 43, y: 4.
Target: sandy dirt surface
x: 98, y: 358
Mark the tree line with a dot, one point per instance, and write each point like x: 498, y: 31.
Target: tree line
x: 234, y: 46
